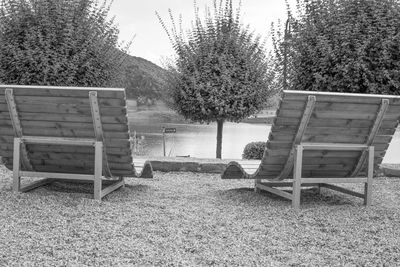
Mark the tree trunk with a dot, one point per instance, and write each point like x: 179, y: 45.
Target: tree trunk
x: 220, y: 124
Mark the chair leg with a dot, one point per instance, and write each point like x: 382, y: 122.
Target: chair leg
x: 319, y: 189
x: 298, y: 158
x: 16, y: 165
x: 256, y: 188
x: 296, y: 195
x: 98, y: 168
x: 368, y: 184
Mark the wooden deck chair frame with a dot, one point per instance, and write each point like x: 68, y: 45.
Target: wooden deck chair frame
x: 20, y: 155
x: 299, y: 181
x: 294, y: 161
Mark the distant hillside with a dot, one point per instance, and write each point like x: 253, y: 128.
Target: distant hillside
x: 143, y: 79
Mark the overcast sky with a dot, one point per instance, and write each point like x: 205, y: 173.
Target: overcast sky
x: 137, y: 17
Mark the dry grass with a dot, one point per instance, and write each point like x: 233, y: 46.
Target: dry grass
x: 196, y: 219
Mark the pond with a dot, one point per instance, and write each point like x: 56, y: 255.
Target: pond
x: 199, y: 140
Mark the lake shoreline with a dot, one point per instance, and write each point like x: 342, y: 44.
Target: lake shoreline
x: 199, y: 140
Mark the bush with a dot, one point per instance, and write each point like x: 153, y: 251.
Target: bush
x: 342, y: 46
x: 64, y: 42
x: 254, y: 150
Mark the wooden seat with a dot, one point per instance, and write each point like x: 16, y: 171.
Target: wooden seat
x: 319, y: 138
x: 72, y: 133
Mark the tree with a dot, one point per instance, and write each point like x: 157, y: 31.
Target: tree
x: 221, y: 72
x: 58, y: 42
x: 345, y: 46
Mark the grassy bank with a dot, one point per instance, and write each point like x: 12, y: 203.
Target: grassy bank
x: 196, y: 219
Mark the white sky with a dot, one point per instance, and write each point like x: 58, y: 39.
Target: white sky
x: 137, y: 17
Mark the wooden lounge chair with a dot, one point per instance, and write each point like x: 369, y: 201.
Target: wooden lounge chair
x: 322, y: 138
x: 67, y: 133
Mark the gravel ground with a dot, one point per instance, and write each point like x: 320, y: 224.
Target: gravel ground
x: 186, y: 219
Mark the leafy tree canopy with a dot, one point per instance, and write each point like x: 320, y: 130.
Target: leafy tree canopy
x: 221, y: 70
x: 343, y: 46
x: 58, y: 42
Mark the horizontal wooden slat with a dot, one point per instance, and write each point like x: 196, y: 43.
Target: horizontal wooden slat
x: 322, y: 153
x: 72, y: 149
x: 58, y: 141
x: 314, y: 122
x: 354, y: 139
x: 329, y: 138
x: 46, y: 132
x: 273, y: 145
x: 72, y: 156
x: 57, y: 175
x: 335, y: 106
x: 308, y: 161
x: 80, y: 163
x: 65, y: 109
x: 306, y: 174
x: 74, y: 169
x: 335, y: 180
x: 123, y: 143
x: 79, y: 133
x: 58, y: 91
x: 332, y: 130
x: 65, y: 125
x: 74, y: 117
x: 339, y: 114
x: 299, y: 105
x: 50, y: 100
x: 337, y: 173
x: 311, y: 167
x: 341, y: 97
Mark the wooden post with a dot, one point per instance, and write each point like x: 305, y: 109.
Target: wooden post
x: 16, y: 165
x: 220, y: 127
x: 319, y: 189
x: 298, y: 161
x: 368, y: 184
x: 163, y: 140
x: 256, y: 182
x: 12, y: 109
x: 135, y: 142
x: 98, y: 168
x: 98, y: 129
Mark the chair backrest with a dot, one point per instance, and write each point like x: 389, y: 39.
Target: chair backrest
x: 66, y: 112
x: 322, y: 117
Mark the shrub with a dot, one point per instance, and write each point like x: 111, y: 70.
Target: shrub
x: 342, y: 46
x: 63, y: 42
x: 254, y: 150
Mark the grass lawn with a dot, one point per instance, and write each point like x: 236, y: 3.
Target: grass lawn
x: 182, y: 219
